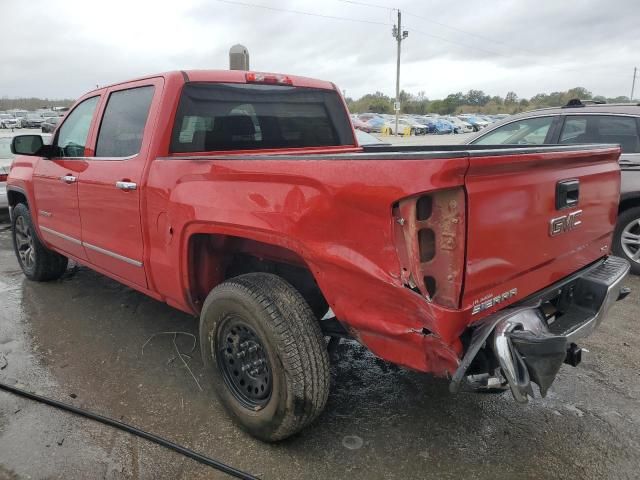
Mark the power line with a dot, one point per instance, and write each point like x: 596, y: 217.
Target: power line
x: 459, y: 30
x: 365, y: 4
x: 441, y: 24
x: 490, y: 52
x: 300, y: 12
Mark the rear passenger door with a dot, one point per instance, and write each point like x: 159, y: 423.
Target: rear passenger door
x: 109, y: 188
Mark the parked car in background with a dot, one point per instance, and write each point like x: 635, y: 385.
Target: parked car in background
x: 9, y: 121
x: 476, y: 122
x: 405, y: 126
x: 18, y: 113
x: 428, y: 123
x: 443, y: 127
x: 460, y: 126
x: 584, y: 122
x: 50, y: 124
x: 360, y: 125
x: 32, y: 120
x: 48, y: 113
x: 6, y: 157
x: 375, y: 124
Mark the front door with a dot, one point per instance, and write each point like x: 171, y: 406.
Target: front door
x: 55, y: 182
x: 108, y: 189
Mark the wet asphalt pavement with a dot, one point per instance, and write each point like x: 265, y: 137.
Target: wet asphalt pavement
x: 80, y: 340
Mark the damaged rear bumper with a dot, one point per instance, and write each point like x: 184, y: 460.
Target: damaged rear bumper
x: 529, y: 345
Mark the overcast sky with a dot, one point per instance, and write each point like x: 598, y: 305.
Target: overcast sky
x: 62, y: 48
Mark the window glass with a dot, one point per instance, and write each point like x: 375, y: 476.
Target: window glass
x: 602, y: 129
x: 123, y: 122
x: 214, y: 116
x: 72, y: 135
x: 530, y: 131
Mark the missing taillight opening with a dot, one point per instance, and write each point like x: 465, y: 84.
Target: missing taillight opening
x: 430, y: 240
x: 426, y: 244
x: 424, y: 207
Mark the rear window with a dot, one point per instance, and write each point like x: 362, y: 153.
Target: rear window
x: 215, y: 116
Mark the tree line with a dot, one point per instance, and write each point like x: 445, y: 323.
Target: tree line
x: 32, y: 103
x: 474, y: 101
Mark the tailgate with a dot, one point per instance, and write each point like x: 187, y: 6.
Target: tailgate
x: 535, y: 216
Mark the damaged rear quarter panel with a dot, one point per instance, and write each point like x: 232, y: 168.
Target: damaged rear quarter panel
x: 334, y: 214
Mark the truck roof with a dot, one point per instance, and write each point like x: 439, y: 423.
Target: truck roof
x: 228, y: 76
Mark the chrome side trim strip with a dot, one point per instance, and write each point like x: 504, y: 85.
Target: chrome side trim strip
x: 117, y: 256
x: 61, y: 235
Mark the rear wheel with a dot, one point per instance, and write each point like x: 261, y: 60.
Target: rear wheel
x: 626, y: 239
x: 262, y: 345
x: 37, y: 261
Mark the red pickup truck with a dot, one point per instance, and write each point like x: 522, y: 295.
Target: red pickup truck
x: 244, y: 198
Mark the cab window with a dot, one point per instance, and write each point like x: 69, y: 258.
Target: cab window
x: 602, y: 129
x: 529, y: 131
x: 123, y: 122
x: 72, y: 135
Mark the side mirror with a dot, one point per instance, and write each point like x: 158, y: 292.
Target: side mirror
x: 26, y: 144
x: 33, y: 145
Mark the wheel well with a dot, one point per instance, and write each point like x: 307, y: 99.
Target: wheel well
x: 216, y: 258
x: 628, y: 203
x: 15, y: 198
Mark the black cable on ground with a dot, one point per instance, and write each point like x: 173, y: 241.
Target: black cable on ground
x: 134, y: 431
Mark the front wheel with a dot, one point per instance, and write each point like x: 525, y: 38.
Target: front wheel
x: 37, y: 261
x: 626, y: 239
x: 262, y: 346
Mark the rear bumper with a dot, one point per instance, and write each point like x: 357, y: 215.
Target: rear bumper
x: 531, y: 347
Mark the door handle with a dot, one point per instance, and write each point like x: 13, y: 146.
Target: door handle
x: 567, y: 193
x: 126, y: 186
x: 68, y: 179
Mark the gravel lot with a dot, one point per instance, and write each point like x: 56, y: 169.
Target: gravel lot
x: 80, y: 340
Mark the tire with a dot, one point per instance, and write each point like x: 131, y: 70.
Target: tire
x: 629, y: 223
x: 37, y: 262
x: 259, y: 321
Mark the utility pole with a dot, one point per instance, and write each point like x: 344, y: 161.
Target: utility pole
x: 399, y: 35
x: 633, y: 84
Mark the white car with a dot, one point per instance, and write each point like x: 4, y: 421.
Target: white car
x: 477, y: 123
x: 460, y: 125
x: 414, y: 127
x: 9, y: 121
x: 6, y: 157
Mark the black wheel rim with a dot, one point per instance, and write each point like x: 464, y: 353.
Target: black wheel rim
x: 244, y: 363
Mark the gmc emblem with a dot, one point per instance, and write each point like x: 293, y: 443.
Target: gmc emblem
x: 565, y: 223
